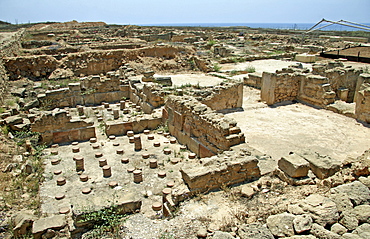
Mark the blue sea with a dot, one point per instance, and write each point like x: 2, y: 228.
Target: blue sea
x: 291, y: 26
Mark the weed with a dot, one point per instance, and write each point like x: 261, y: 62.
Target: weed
x: 216, y: 67
x: 105, y: 221
x: 250, y: 69
x: 163, y: 127
x: 10, y: 102
x: 211, y: 43
x: 2, y: 110
x: 166, y: 235
x: 88, y: 92
x: 5, y: 129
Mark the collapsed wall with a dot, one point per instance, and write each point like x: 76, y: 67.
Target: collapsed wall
x: 8, y: 48
x: 200, y: 128
x: 87, y: 63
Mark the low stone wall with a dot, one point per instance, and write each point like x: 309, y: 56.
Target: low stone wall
x: 225, y: 96
x: 137, y: 126
x: 148, y: 95
x: 91, y: 90
x: 58, y: 127
x: 197, y: 126
x: 219, y: 171
x: 253, y: 80
x: 316, y: 90
x: 295, y: 84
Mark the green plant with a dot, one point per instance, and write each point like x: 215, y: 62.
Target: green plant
x: 5, y: 129
x: 163, y: 127
x: 88, y: 92
x: 2, y: 110
x: 166, y: 235
x: 250, y: 69
x: 105, y: 221
x: 211, y: 43
x: 216, y: 67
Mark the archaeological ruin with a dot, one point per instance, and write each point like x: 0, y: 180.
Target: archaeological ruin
x: 148, y: 123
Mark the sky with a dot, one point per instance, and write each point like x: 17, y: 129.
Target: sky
x: 143, y: 12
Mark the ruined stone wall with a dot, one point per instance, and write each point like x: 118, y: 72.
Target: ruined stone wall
x: 225, y: 96
x: 197, y: 126
x: 343, y: 80
x: 30, y: 66
x: 316, y: 90
x: 296, y: 85
x: 137, y: 125
x: 58, y: 127
x: 362, y: 99
x: 219, y: 171
x: 280, y: 87
x: 86, y: 63
x: 8, y: 48
x: 148, y: 95
x: 91, y: 90
x: 253, y: 80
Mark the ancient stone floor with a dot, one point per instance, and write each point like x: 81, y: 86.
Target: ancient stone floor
x: 158, y: 162
x: 281, y: 129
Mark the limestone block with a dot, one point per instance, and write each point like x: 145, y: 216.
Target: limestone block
x: 322, y: 166
x: 322, y: 209
x: 356, y: 191
x: 42, y: 225
x: 254, y: 231
x: 294, y: 165
x: 305, y: 58
x: 281, y: 225
x: 320, y: 232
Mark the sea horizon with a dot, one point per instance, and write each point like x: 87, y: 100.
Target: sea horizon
x: 282, y: 26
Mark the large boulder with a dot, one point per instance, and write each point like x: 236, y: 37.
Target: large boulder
x: 254, y: 231
x: 322, y: 209
x: 281, y: 225
x: 356, y: 191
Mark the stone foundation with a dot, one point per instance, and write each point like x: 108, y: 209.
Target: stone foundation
x: 58, y: 127
x: 220, y: 171
x: 204, y: 131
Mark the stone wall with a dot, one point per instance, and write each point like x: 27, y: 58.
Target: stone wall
x: 253, y: 80
x: 8, y: 48
x: 92, y: 90
x: 362, y: 98
x: 219, y: 171
x: 148, y: 95
x: 316, y: 90
x: 137, y: 125
x: 201, y: 129
x: 58, y: 127
x: 343, y: 80
x: 280, y: 87
x: 225, y: 96
x: 86, y: 63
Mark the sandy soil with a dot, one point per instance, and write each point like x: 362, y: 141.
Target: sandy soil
x: 270, y: 65
x: 279, y: 130
x: 201, y: 79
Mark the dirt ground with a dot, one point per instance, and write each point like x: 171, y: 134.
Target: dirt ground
x: 279, y: 130
x: 364, y: 51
